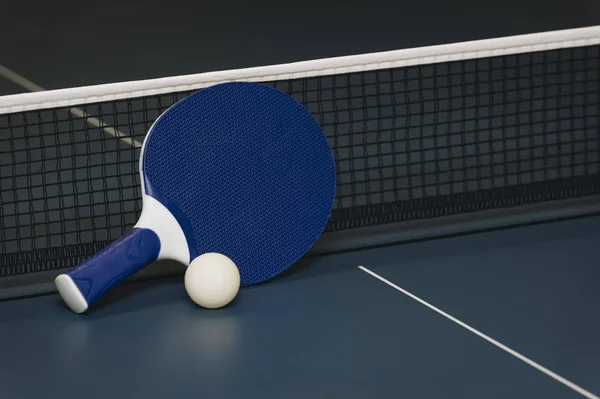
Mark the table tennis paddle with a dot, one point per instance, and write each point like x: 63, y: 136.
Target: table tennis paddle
x: 239, y: 168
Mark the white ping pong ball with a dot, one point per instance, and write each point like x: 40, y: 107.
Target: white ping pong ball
x: 212, y: 280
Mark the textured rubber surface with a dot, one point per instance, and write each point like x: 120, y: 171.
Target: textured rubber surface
x: 246, y: 171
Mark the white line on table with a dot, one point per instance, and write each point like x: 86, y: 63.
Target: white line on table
x: 19, y: 80
x: 516, y: 354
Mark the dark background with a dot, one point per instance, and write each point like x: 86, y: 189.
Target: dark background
x: 59, y: 44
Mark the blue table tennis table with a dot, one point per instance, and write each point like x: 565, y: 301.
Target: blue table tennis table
x: 487, y: 315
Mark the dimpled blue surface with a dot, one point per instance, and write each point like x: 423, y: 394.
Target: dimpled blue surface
x: 246, y: 171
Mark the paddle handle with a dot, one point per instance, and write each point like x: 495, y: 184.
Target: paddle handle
x: 86, y: 282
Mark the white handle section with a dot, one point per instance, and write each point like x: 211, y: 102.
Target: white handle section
x: 156, y: 217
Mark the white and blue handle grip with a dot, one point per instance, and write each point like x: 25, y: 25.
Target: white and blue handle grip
x: 89, y: 280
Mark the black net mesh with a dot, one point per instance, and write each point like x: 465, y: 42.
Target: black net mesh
x: 410, y: 143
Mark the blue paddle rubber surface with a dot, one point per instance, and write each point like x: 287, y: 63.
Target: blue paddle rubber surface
x: 246, y: 171
x: 115, y: 263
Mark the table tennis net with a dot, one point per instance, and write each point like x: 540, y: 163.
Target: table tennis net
x: 461, y: 132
